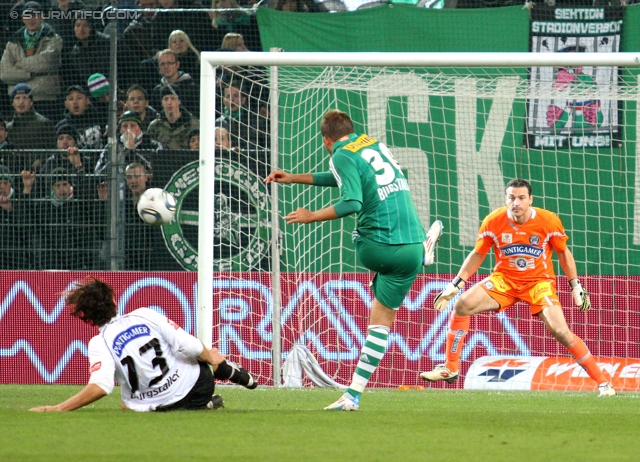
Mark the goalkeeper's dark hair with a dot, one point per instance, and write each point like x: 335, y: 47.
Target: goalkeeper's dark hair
x: 336, y: 124
x: 92, y: 302
x: 519, y: 183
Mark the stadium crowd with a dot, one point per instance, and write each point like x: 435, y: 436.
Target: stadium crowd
x: 56, y: 157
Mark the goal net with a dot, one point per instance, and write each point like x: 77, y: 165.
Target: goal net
x: 461, y: 126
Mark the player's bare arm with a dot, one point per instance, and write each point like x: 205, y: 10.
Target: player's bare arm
x: 306, y: 216
x: 87, y: 395
x: 280, y: 176
x: 469, y: 267
x: 568, y: 264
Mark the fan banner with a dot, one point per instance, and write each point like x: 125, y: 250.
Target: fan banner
x: 327, y: 312
x: 548, y: 373
x: 574, y: 116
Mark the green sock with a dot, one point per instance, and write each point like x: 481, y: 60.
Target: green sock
x: 372, y: 352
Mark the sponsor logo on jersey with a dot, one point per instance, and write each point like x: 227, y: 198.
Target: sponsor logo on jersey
x: 156, y: 391
x: 95, y: 367
x: 516, y: 250
x: 132, y: 333
x: 521, y: 263
x: 541, y: 290
x: 242, y: 221
x: 362, y: 142
x: 507, y: 238
x: 499, y: 283
x: 534, y: 240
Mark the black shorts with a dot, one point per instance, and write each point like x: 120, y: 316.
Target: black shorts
x: 199, y: 395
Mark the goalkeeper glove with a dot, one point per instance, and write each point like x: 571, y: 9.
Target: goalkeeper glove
x: 451, y: 290
x: 580, y: 296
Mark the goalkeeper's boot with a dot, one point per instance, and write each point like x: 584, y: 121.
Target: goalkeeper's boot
x: 345, y: 403
x: 440, y: 372
x: 606, y: 389
x: 228, y: 370
x: 433, y: 236
x: 215, y: 403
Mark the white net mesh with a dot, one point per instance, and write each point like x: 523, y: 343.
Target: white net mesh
x: 460, y: 134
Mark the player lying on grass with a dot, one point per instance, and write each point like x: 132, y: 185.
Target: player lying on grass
x: 523, y: 238
x: 389, y: 237
x: 158, y: 365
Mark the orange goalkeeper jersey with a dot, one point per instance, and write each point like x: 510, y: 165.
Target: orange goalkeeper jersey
x: 523, y: 252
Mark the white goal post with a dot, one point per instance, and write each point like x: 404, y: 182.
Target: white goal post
x: 523, y: 89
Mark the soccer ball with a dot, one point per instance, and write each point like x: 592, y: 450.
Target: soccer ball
x: 157, y: 207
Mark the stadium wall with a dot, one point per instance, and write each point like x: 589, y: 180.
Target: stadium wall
x: 42, y: 343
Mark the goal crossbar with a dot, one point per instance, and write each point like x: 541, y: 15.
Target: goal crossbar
x: 460, y: 59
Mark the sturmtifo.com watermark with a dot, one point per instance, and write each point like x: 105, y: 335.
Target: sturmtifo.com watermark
x: 108, y: 14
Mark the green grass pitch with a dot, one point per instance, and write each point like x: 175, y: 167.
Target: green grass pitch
x: 289, y: 425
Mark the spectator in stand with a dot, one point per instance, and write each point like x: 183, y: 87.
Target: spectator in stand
x: 63, y: 23
x: 68, y: 156
x: 173, y: 126
x: 133, y: 145
x: 90, y: 53
x: 137, y: 178
x: 32, y: 56
x: 240, y: 21
x: 99, y: 90
x: 138, y: 46
x: 182, y: 83
x: 137, y: 101
x: 189, y: 57
x: 233, y: 42
x: 254, y: 77
x: 12, y: 204
x: 297, y: 6
x: 4, y: 139
x: 29, y: 130
x: 61, y: 241
x: 194, y: 139
x: 165, y: 22
x: 82, y: 116
x: 223, y: 139
x: 248, y: 129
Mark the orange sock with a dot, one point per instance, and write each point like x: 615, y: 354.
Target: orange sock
x: 458, y: 328
x: 583, y: 357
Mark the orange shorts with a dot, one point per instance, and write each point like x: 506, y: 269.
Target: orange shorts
x: 538, y: 294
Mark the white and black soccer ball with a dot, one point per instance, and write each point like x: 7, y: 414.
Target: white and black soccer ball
x: 157, y: 207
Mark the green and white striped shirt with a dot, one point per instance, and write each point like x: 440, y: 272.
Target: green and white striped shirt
x: 366, y: 171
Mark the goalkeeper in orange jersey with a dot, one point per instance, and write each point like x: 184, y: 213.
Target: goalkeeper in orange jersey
x: 523, y: 238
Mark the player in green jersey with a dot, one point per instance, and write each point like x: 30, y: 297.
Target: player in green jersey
x: 389, y: 237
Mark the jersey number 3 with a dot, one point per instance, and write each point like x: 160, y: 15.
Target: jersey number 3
x: 385, y: 173
x: 158, y: 361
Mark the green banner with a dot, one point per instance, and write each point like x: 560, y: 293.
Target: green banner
x: 464, y: 172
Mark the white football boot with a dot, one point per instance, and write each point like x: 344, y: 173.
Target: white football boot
x: 433, y: 236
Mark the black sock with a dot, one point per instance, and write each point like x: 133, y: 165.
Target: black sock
x: 233, y: 373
